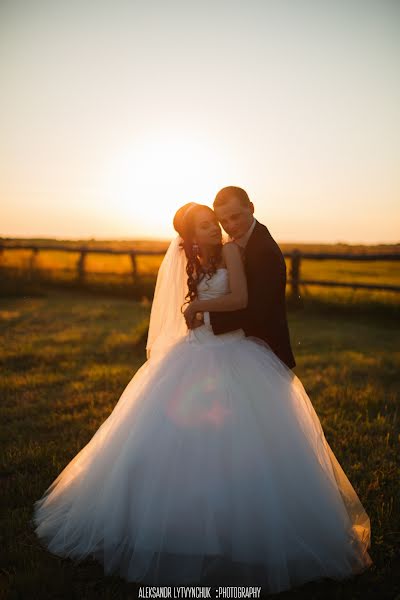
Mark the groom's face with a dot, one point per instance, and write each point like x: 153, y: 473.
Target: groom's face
x: 234, y: 217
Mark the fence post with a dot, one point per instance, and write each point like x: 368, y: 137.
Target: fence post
x: 295, y: 278
x: 81, y: 265
x: 132, y: 255
x: 32, y: 263
x: 2, y: 246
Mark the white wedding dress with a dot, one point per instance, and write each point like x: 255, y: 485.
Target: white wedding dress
x: 212, y: 468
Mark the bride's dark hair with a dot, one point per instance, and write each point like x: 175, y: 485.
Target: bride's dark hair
x: 184, y: 224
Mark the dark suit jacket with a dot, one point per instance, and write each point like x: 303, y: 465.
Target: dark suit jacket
x: 265, y: 314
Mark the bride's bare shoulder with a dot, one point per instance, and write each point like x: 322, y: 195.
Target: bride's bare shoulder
x: 230, y: 249
x: 226, y: 253
x: 231, y: 254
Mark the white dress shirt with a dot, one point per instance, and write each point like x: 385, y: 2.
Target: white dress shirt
x: 241, y: 241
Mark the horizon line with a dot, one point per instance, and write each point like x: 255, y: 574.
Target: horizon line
x: 162, y: 239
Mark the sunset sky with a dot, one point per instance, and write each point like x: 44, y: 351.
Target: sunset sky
x: 115, y: 113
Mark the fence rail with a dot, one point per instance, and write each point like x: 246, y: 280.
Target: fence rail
x: 295, y: 256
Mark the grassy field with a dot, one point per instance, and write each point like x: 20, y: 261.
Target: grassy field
x: 66, y: 358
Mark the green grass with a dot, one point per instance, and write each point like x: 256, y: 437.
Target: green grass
x: 65, y: 360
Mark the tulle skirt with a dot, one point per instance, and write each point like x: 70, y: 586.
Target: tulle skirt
x: 212, y: 468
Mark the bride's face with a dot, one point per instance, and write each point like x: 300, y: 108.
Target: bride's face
x: 207, y: 231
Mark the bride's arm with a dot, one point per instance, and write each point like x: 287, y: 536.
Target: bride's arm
x: 237, y: 297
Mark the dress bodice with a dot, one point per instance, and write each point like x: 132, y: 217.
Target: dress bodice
x: 215, y: 286
x: 208, y: 288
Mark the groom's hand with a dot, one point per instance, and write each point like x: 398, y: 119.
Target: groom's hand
x: 190, y: 316
x: 191, y: 321
x: 196, y: 323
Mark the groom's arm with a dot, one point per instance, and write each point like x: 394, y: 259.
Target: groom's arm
x: 225, y: 321
x: 222, y: 322
x: 265, y: 274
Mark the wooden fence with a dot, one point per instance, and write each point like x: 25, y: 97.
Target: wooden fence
x: 294, y: 280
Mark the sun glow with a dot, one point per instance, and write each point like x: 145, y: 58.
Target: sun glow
x: 149, y: 180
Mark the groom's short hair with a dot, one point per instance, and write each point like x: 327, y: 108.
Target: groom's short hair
x: 228, y: 192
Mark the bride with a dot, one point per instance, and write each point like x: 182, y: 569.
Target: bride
x: 213, y: 466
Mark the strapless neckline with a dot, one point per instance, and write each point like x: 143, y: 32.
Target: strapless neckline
x: 219, y: 269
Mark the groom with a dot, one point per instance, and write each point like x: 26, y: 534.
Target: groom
x: 265, y: 267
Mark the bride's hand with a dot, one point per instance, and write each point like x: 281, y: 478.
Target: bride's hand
x: 189, y: 313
